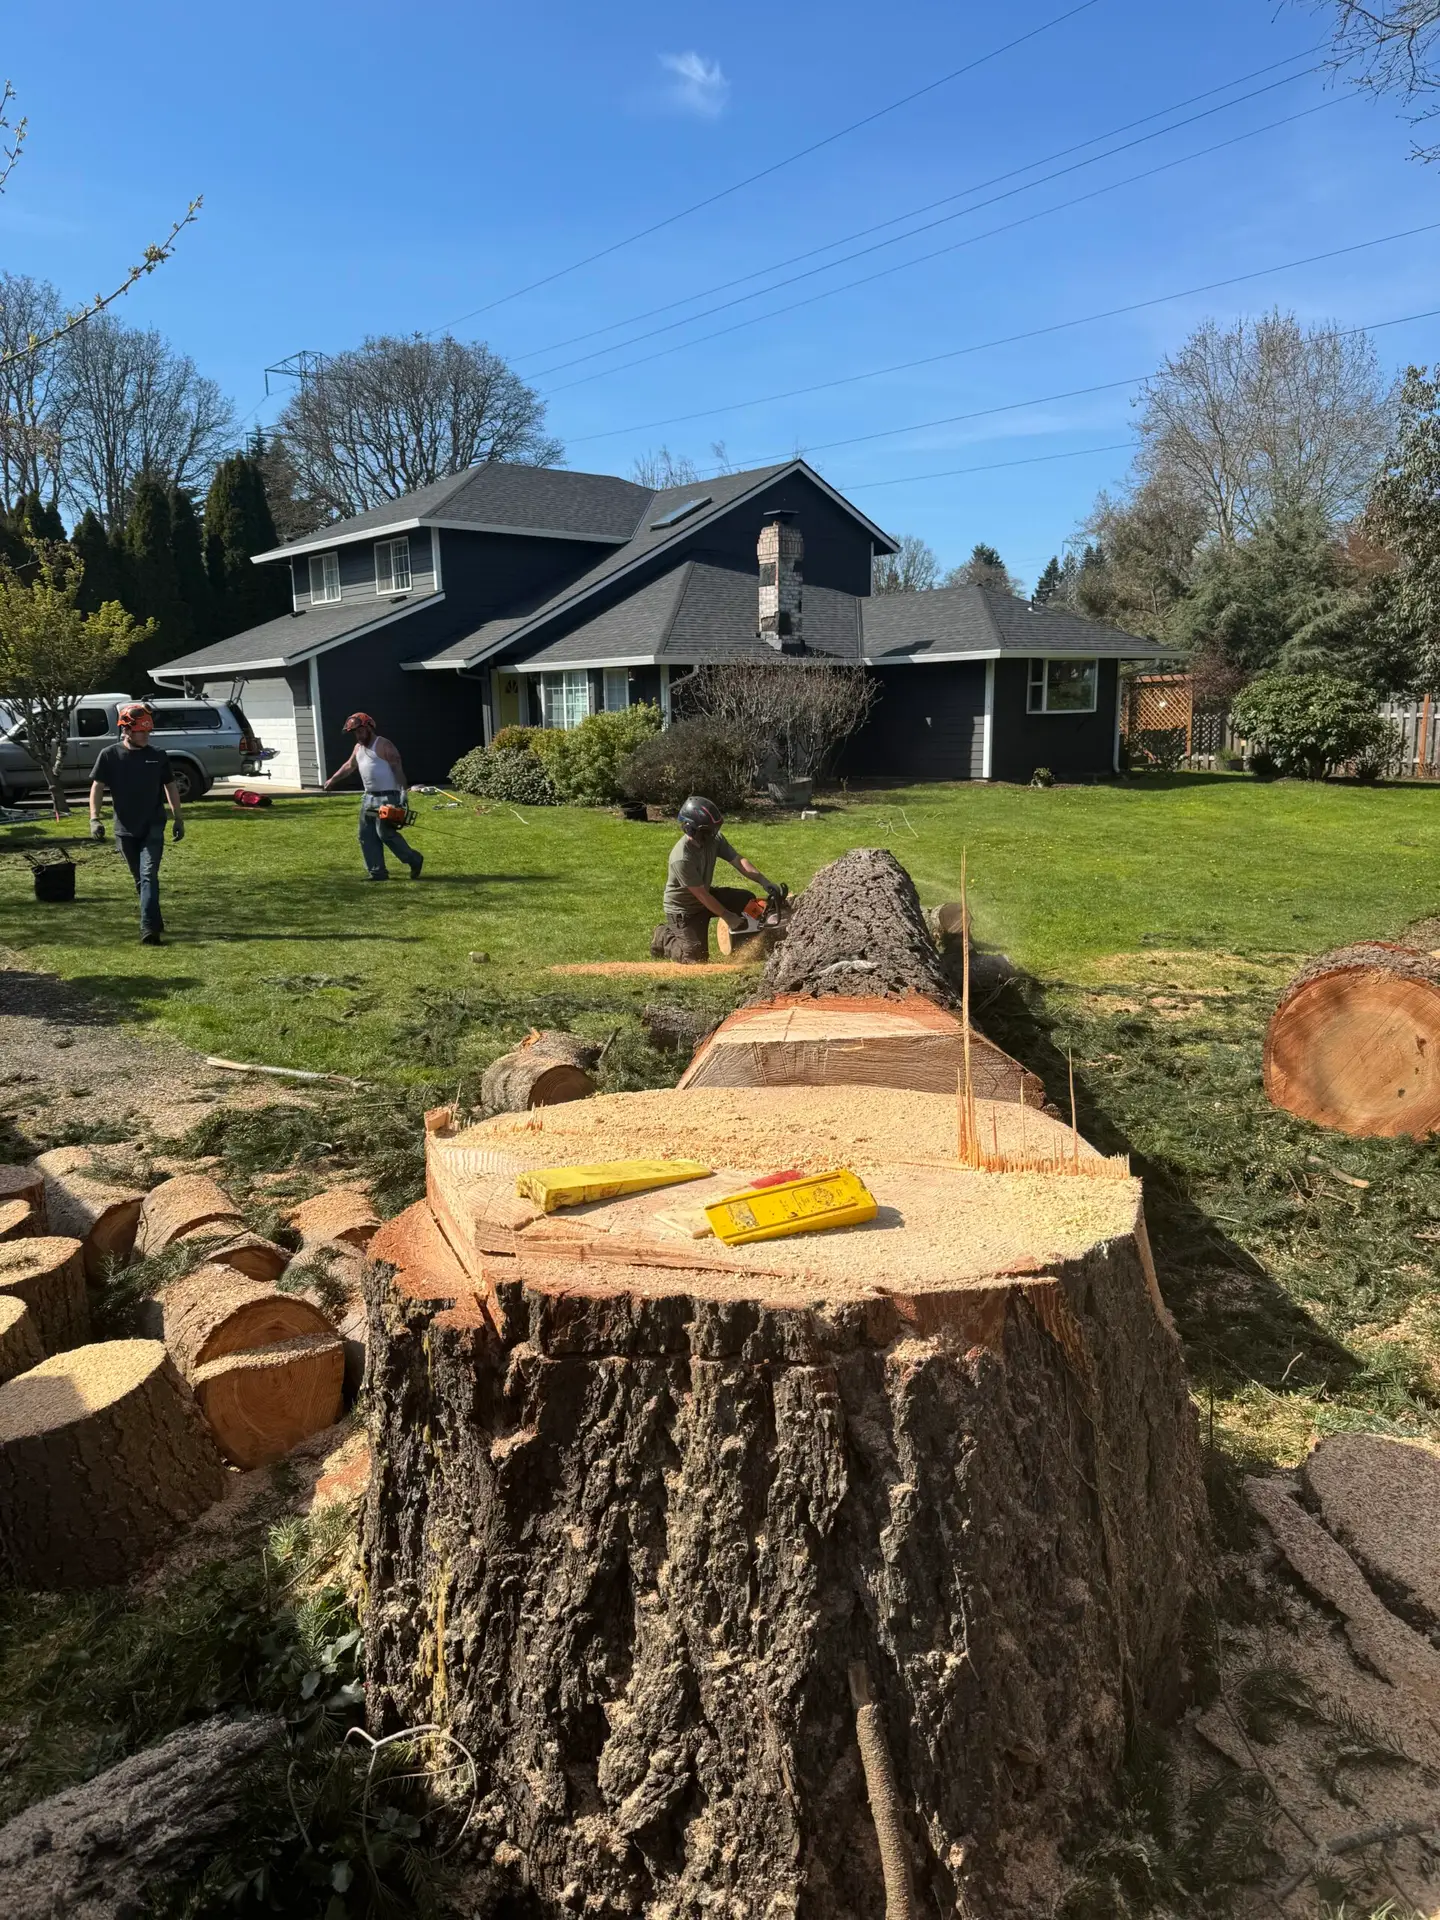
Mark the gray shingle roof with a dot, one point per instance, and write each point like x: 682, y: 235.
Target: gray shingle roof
x: 293, y: 635
x: 910, y: 626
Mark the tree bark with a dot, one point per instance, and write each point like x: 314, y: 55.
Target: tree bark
x: 48, y: 1274
x: 1354, y: 1043
x: 28, y: 1184
x: 546, y: 1069
x: 81, y: 1200
x: 20, y: 1347
x: 858, y: 929
x: 179, y: 1208
x: 103, y: 1456
x: 95, y: 1851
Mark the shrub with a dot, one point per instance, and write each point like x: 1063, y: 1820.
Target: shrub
x: 583, y: 761
x: 1229, y: 761
x: 504, y: 773
x: 1264, y: 766
x: 694, y: 756
x: 1312, y: 723
x: 515, y: 737
x: 1042, y: 777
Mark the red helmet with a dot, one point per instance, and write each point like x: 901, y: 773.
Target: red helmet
x: 358, y: 720
x: 136, y: 718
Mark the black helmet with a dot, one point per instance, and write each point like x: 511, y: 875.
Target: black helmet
x: 699, y: 815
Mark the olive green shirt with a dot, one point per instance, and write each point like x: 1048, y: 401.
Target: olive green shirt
x: 692, y: 864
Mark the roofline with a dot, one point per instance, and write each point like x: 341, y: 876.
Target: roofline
x: 771, y: 478
x: 322, y: 543
x: 1010, y: 653
x: 293, y: 659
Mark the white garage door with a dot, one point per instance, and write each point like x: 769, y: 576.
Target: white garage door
x: 271, y: 712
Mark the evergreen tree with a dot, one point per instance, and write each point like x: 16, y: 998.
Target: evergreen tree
x: 41, y: 520
x: 151, y: 582
x: 238, y: 523
x: 191, y: 579
x: 104, y: 577
x: 1050, y: 584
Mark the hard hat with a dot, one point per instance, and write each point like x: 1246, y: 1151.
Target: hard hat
x: 136, y: 718
x: 699, y: 815
x: 358, y: 720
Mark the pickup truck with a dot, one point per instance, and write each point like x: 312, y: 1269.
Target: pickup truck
x: 207, y: 740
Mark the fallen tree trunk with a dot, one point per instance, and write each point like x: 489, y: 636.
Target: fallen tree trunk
x: 546, y: 1069
x: 83, y: 1202
x: 103, y: 1456
x: 47, y: 1273
x: 27, y: 1184
x: 858, y: 929
x: 96, y: 1851
x: 640, y: 1504
x: 20, y: 1347
x: 1354, y: 1043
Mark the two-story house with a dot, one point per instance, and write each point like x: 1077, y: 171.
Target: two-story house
x: 536, y: 595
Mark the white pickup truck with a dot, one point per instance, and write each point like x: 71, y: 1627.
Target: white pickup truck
x: 207, y: 740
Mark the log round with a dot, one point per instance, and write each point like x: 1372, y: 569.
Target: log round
x: 639, y: 1505
x: 344, y: 1214
x: 179, y: 1208
x: 87, y: 1204
x: 103, y: 1455
x: 28, y: 1184
x: 244, y: 1253
x: 1354, y: 1043
x: 545, y: 1070
x: 20, y: 1347
x: 17, y: 1220
x: 47, y: 1273
x: 216, y: 1311
x: 858, y: 928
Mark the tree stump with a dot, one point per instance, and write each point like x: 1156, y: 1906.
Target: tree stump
x: 82, y: 1201
x: 640, y: 1504
x: 1354, y: 1043
x: 47, y: 1273
x: 20, y: 1347
x: 546, y: 1069
x: 103, y: 1455
x: 27, y: 1184
x: 17, y: 1220
x: 267, y: 1368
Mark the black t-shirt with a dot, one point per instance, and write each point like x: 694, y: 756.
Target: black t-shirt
x: 137, y: 778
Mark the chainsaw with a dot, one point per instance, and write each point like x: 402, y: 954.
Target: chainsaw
x: 762, y: 915
x: 390, y: 815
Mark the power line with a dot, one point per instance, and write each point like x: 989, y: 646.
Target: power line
x: 899, y: 239
x: 954, y: 246
x: 775, y: 166
x: 1013, y: 339
x: 988, y: 466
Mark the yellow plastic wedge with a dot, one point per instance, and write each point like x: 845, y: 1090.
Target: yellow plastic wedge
x: 820, y: 1200
x: 553, y: 1187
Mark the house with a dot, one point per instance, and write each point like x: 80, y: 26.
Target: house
x: 534, y: 595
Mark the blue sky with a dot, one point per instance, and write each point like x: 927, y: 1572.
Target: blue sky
x: 372, y: 169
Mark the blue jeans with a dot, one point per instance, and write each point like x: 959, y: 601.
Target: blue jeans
x: 143, y: 859
x: 375, y: 836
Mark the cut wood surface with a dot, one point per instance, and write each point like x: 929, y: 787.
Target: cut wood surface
x: 17, y: 1220
x: 546, y: 1069
x: 97, y: 1851
x: 1354, y: 1043
x: 103, y: 1455
x: 180, y: 1208
x: 1381, y: 1499
x: 84, y: 1202
x: 20, y: 1347
x: 858, y: 930
x: 246, y: 1253
x: 47, y: 1272
x: 28, y: 1184
x: 217, y: 1311
x: 343, y: 1214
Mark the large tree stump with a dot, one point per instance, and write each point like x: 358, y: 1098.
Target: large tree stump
x: 640, y: 1504
x: 20, y: 1347
x: 103, y: 1455
x: 96, y: 1851
x: 87, y: 1204
x: 27, y: 1184
x: 546, y: 1069
x: 267, y: 1368
x: 47, y: 1273
x: 1355, y: 1042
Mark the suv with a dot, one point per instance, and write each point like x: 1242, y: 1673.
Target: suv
x: 207, y: 740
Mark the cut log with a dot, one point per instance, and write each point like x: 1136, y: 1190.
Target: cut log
x: 288, y: 1365
x: 17, y: 1220
x: 673, y: 1029
x: 20, y: 1347
x: 181, y: 1208
x: 545, y: 1070
x: 1355, y: 1042
x: 98, y: 1851
x: 343, y: 1214
x: 28, y: 1184
x: 103, y: 1455
x: 47, y: 1272
x: 858, y: 929
x: 83, y: 1202
x: 246, y: 1253
x: 638, y: 1505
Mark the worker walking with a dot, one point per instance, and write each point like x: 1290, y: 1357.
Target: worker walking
x: 140, y: 780
x: 377, y: 761
x: 691, y: 902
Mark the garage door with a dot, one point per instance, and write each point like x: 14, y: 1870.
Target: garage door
x: 271, y: 712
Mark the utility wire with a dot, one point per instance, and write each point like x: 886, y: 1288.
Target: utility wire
x: 1014, y: 339
x: 775, y: 166
x: 899, y: 239
x: 954, y: 246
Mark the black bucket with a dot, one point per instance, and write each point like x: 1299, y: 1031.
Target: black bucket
x: 55, y: 880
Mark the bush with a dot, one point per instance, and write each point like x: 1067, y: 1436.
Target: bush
x: 694, y: 756
x: 1042, y: 777
x: 1264, y: 766
x: 504, y: 773
x: 515, y: 737
x: 583, y: 761
x: 1312, y: 723
x: 1229, y: 761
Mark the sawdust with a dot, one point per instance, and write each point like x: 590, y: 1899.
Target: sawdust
x: 68, y: 1386
x: 657, y: 969
x: 1192, y: 970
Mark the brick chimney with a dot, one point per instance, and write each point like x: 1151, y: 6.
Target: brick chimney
x: 781, y: 552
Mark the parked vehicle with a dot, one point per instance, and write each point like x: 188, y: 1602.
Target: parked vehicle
x: 207, y: 740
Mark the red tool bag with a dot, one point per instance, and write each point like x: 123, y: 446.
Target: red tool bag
x: 247, y: 797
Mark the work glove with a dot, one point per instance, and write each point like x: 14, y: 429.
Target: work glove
x: 177, y: 830
x: 737, y: 923
x: 97, y: 829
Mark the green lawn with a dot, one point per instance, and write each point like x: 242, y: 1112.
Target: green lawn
x: 265, y: 906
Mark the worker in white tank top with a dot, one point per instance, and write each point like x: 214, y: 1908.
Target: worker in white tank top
x: 377, y: 761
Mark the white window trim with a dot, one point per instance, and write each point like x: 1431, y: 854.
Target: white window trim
x: 325, y: 599
x: 388, y: 547
x: 1047, y: 660
x: 563, y: 674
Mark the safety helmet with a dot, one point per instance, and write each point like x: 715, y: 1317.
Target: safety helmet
x: 356, y: 721
x: 700, y: 816
x: 136, y: 718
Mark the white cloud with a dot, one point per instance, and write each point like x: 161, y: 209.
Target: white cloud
x: 697, y: 85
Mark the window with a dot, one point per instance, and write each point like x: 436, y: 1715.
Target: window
x: 1063, y: 686
x: 564, y: 699
x: 91, y: 723
x: 324, y: 577
x: 617, y: 689
x: 186, y: 719
x: 392, y: 565
x: 682, y: 512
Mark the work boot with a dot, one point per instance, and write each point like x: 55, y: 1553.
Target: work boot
x: 419, y: 863
x: 151, y: 939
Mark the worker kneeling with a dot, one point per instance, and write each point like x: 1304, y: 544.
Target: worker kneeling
x: 691, y: 903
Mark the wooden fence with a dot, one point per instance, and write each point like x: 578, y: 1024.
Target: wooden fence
x: 1157, y: 703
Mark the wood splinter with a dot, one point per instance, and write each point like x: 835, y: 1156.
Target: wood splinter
x: 884, y: 1797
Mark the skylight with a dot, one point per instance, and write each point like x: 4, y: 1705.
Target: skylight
x: 682, y: 512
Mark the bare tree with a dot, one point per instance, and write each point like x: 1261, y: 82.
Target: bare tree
x: 659, y: 468
x: 914, y: 569
x: 1390, y: 49
x: 1266, y: 417
x: 984, y: 568
x: 30, y: 415
x: 1137, y: 558
x: 134, y: 406
x: 791, y: 715
x: 392, y: 415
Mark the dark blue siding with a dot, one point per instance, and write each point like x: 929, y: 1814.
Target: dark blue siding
x: 927, y: 724
x: 1075, y: 746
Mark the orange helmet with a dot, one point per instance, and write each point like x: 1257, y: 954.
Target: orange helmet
x: 136, y: 718
x: 356, y: 721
